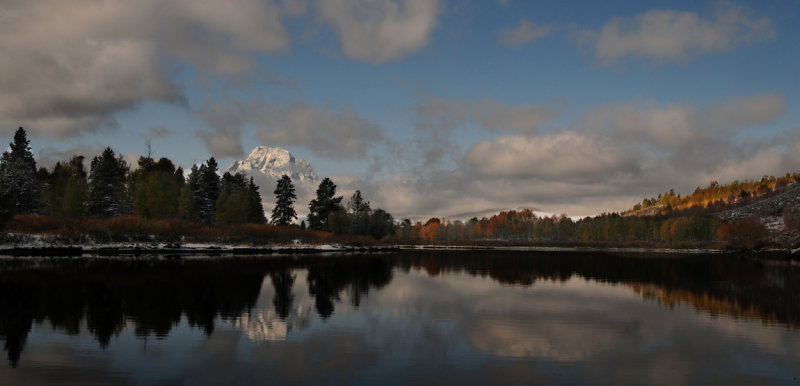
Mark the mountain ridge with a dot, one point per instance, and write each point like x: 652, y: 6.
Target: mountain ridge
x: 267, y: 164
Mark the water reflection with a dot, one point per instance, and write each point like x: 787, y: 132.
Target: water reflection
x: 560, y: 307
x: 154, y: 295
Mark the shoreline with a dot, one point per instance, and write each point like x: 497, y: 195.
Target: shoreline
x: 101, y: 250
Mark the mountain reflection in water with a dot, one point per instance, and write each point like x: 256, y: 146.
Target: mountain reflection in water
x: 151, y: 297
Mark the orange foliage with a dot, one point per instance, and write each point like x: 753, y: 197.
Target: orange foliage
x: 432, y: 229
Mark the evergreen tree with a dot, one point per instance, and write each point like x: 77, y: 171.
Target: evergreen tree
x: 359, y: 212
x: 208, y: 190
x: 284, y: 213
x: 381, y: 224
x: 64, y: 191
x: 256, y: 208
x: 20, y: 190
x: 239, y: 201
x: 188, y: 208
x: 156, y: 188
x: 323, y: 205
x: 107, y: 190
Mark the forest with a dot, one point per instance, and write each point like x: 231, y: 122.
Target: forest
x: 114, y: 201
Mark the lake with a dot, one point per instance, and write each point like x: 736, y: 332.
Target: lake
x: 406, y: 317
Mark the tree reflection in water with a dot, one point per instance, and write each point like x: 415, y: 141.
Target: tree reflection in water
x: 154, y: 295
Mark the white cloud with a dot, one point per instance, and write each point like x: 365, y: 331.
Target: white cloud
x: 607, y: 161
x: 563, y: 156
x: 523, y: 34
x: 379, y: 31
x: 674, y: 36
x: 675, y: 126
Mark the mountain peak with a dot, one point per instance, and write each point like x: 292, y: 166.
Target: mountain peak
x: 269, y: 157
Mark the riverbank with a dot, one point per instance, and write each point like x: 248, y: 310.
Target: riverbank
x: 162, y: 249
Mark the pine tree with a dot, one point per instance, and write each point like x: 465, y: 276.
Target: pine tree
x: 156, y: 188
x: 107, y: 191
x: 256, y: 208
x: 188, y: 208
x: 64, y: 191
x: 20, y: 190
x: 239, y: 201
x: 284, y: 213
x: 359, y: 211
x: 208, y: 190
x: 323, y: 205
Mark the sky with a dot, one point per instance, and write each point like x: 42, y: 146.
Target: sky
x: 429, y: 107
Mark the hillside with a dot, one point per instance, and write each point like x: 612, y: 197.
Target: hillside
x: 772, y: 202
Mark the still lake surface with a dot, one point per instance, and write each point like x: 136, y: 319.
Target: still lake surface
x: 407, y: 317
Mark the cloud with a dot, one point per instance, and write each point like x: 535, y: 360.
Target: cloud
x: 336, y: 135
x: 379, y: 31
x: 159, y: 132
x: 606, y: 161
x: 331, y: 134
x: 226, y: 119
x: 295, y: 8
x: 563, y: 156
x: 675, y: 36
x: 73, y: 66
x: 491, y: 115
x: 675, y: 126
x: 523, y: 34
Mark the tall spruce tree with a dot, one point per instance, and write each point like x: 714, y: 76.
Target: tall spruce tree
x: 208, y: 190
x: 284, y: 213
x: 322, y: 206
x: 188, y: 208
x: 107, y: 191
x: 256, y: 208
x: 20, y: 190
x: 359, y: 212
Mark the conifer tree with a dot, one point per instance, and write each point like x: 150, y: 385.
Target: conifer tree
x: 20, y: 190
x: 359, y: 212
x: 208, y: 190
x: 64, y: 191
x: 187, y: 203
x: 323, y: 205
x: 256, y: 208
x: 107, y: 190
x: 284, y: 213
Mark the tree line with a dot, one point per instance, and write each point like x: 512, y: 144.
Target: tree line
x: 157, y: 189
x: 525, y: 225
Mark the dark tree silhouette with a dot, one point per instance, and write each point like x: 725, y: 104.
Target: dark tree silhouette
x: 323, y: 205
x: 20, y: 190
x: 284, y: 213
x: 107, y: 195
x: 282, y: 281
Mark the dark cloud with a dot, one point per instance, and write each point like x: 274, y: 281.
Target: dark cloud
x: 74, y: 66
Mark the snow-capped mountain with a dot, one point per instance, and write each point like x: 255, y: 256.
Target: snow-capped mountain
x: 267, y: 164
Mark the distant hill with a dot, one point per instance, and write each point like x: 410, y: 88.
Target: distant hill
x: 773, y: 201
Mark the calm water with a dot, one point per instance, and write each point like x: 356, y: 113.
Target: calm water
x: 402, y: 318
